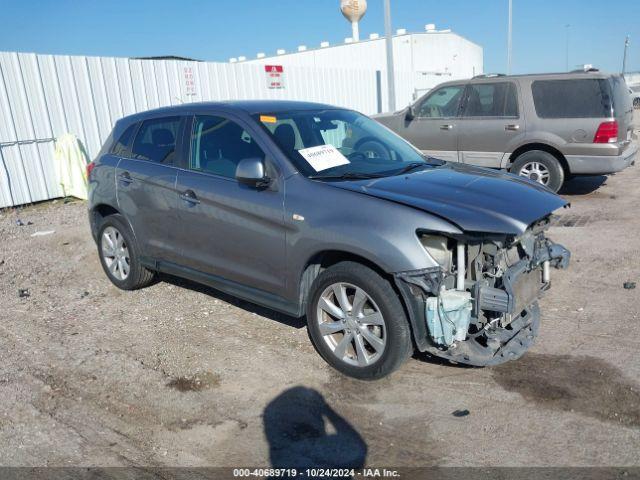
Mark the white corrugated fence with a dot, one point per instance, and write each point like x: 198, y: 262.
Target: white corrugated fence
x: 45, y: 96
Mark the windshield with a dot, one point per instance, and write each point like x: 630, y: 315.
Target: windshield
x: 341, y: 143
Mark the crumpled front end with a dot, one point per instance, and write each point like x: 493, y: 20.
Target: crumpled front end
x: 480, y: 307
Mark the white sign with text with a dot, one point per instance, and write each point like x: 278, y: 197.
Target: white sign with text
x: 323, y: 157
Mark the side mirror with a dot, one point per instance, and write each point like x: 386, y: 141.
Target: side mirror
x: 411, y: 113
x: 250, y: 171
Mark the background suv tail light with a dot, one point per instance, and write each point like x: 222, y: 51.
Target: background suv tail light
x: 607, y: 133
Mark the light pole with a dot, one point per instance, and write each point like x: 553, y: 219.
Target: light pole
x: 389, y: 44
x: 624, y: 58
x: 567, y: 47
x: 509, y: 32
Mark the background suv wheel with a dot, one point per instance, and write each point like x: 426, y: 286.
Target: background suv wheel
x: 541, y: 167
x: 119, y: 255
x: 357, y: 323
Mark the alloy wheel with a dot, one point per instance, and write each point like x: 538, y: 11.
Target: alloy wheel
x: 536, y: 171
x: 351, y: 324
x: 115, y: 253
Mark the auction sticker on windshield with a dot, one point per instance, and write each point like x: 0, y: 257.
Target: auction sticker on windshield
x: 323, y: 157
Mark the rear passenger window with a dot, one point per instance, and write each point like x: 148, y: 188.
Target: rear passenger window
x: 218, y: 145
x: 577, y: 98
x: 156, y: 140
x: 491, y: 100
x: 122, y: 147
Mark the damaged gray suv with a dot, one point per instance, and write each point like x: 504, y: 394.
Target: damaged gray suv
x: 320, y: 211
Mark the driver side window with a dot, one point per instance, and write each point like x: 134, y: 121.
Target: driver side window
x: 442, y: 103
x: 218, y: 144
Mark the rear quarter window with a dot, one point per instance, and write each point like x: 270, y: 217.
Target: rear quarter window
x: 122, y: 147
x: 574, y: 98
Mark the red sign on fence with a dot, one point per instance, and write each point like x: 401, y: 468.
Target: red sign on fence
x: 189, y: 82
x: 275, y: 76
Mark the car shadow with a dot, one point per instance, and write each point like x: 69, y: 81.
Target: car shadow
x: 583, y: 185
x: 303, y: 431
x: 236, y: 302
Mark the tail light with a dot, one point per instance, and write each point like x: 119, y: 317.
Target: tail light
x: 607, y: 133
x: 90, y: 167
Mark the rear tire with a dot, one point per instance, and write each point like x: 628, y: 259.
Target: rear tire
x: 363, y: 334
x: 541, y: 167
x: 119, y: 255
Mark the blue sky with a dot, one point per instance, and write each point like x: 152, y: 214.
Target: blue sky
x: 219, y: 29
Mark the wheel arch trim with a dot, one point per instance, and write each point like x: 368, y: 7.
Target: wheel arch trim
x: 542, y: 146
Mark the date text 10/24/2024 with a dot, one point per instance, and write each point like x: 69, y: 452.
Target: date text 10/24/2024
x: 364, y: 473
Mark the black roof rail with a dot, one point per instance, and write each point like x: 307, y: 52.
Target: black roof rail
x: 490, y: 75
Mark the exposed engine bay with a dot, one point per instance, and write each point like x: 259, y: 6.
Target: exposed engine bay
x: 480, y: 307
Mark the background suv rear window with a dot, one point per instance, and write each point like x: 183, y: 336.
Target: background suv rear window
x: 156, y: 140
x: 577, y: 98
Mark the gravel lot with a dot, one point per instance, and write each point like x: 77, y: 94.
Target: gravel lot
x: 179, y: 374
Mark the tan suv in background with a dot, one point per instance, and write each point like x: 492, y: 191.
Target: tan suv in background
x: 546, y: 127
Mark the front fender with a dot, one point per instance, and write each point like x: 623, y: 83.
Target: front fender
x: 381, y: 231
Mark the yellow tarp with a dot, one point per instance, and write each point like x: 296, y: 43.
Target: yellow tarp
x: 71, y: 166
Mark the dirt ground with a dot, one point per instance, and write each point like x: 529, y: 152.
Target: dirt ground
x: 181, y: 375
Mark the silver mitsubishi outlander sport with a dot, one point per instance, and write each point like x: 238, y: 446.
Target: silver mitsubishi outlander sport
x: 315, y: 210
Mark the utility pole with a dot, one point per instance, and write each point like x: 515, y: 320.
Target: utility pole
x: 624, y: 58
x: 389, y: 44
x: 509, y: 32
x: 567, y: 47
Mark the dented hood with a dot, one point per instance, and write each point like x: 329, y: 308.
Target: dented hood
x: 473, y: 198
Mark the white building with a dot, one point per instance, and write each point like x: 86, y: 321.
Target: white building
x: 421, y: 60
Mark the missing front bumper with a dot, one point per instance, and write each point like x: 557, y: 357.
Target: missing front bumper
x: 515, y: 302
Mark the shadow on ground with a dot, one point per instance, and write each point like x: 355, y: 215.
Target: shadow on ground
x: 236, y: 302
x: 304, y: 431
x: 584, y: 385
x: 582, y: 185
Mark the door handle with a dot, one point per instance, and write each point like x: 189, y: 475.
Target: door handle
x: 446, y: 127
x: 125, y: 178
x: 189, y: 196
x: 512, y: 127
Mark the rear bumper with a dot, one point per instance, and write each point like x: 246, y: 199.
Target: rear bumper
x: 600, y: 164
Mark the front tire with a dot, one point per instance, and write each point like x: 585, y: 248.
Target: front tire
x: 357, y: 322
x: 119, y: 255
x: 541, y: 167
